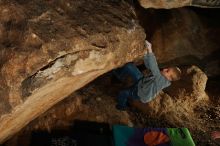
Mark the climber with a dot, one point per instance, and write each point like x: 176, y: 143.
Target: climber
x: 144, y: 88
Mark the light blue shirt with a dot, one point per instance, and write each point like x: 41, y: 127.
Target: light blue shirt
x: 150, y: 86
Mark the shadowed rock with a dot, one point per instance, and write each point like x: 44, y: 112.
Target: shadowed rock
x: 168, y: 4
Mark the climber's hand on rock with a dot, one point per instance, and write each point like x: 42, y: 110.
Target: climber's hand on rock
x: 148, y: 46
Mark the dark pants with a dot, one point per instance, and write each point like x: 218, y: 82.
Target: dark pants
x: 121, y: 73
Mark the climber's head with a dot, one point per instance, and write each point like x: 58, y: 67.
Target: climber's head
x: 171, y: 73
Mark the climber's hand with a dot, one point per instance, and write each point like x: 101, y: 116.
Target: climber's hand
x: 148, y: 46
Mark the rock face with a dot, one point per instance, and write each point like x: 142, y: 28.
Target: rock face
x: 192, y: 41
x: 49, y: 49
x: 90, y: 103
x: 168, y: 4
x: 184, y: 33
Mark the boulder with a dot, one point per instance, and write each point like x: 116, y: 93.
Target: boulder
x: 54, y: 48
x: 184, y: 36
x: 168, y: 4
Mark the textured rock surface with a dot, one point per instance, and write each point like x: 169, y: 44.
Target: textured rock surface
x: 50, y: 49
x: 168, y: 4
x: 90, y: 103
x: 184, y: 36
x: 164, y: 4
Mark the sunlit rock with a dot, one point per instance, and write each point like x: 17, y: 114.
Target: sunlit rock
x: 168, y: 4
x: 54, y: 48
